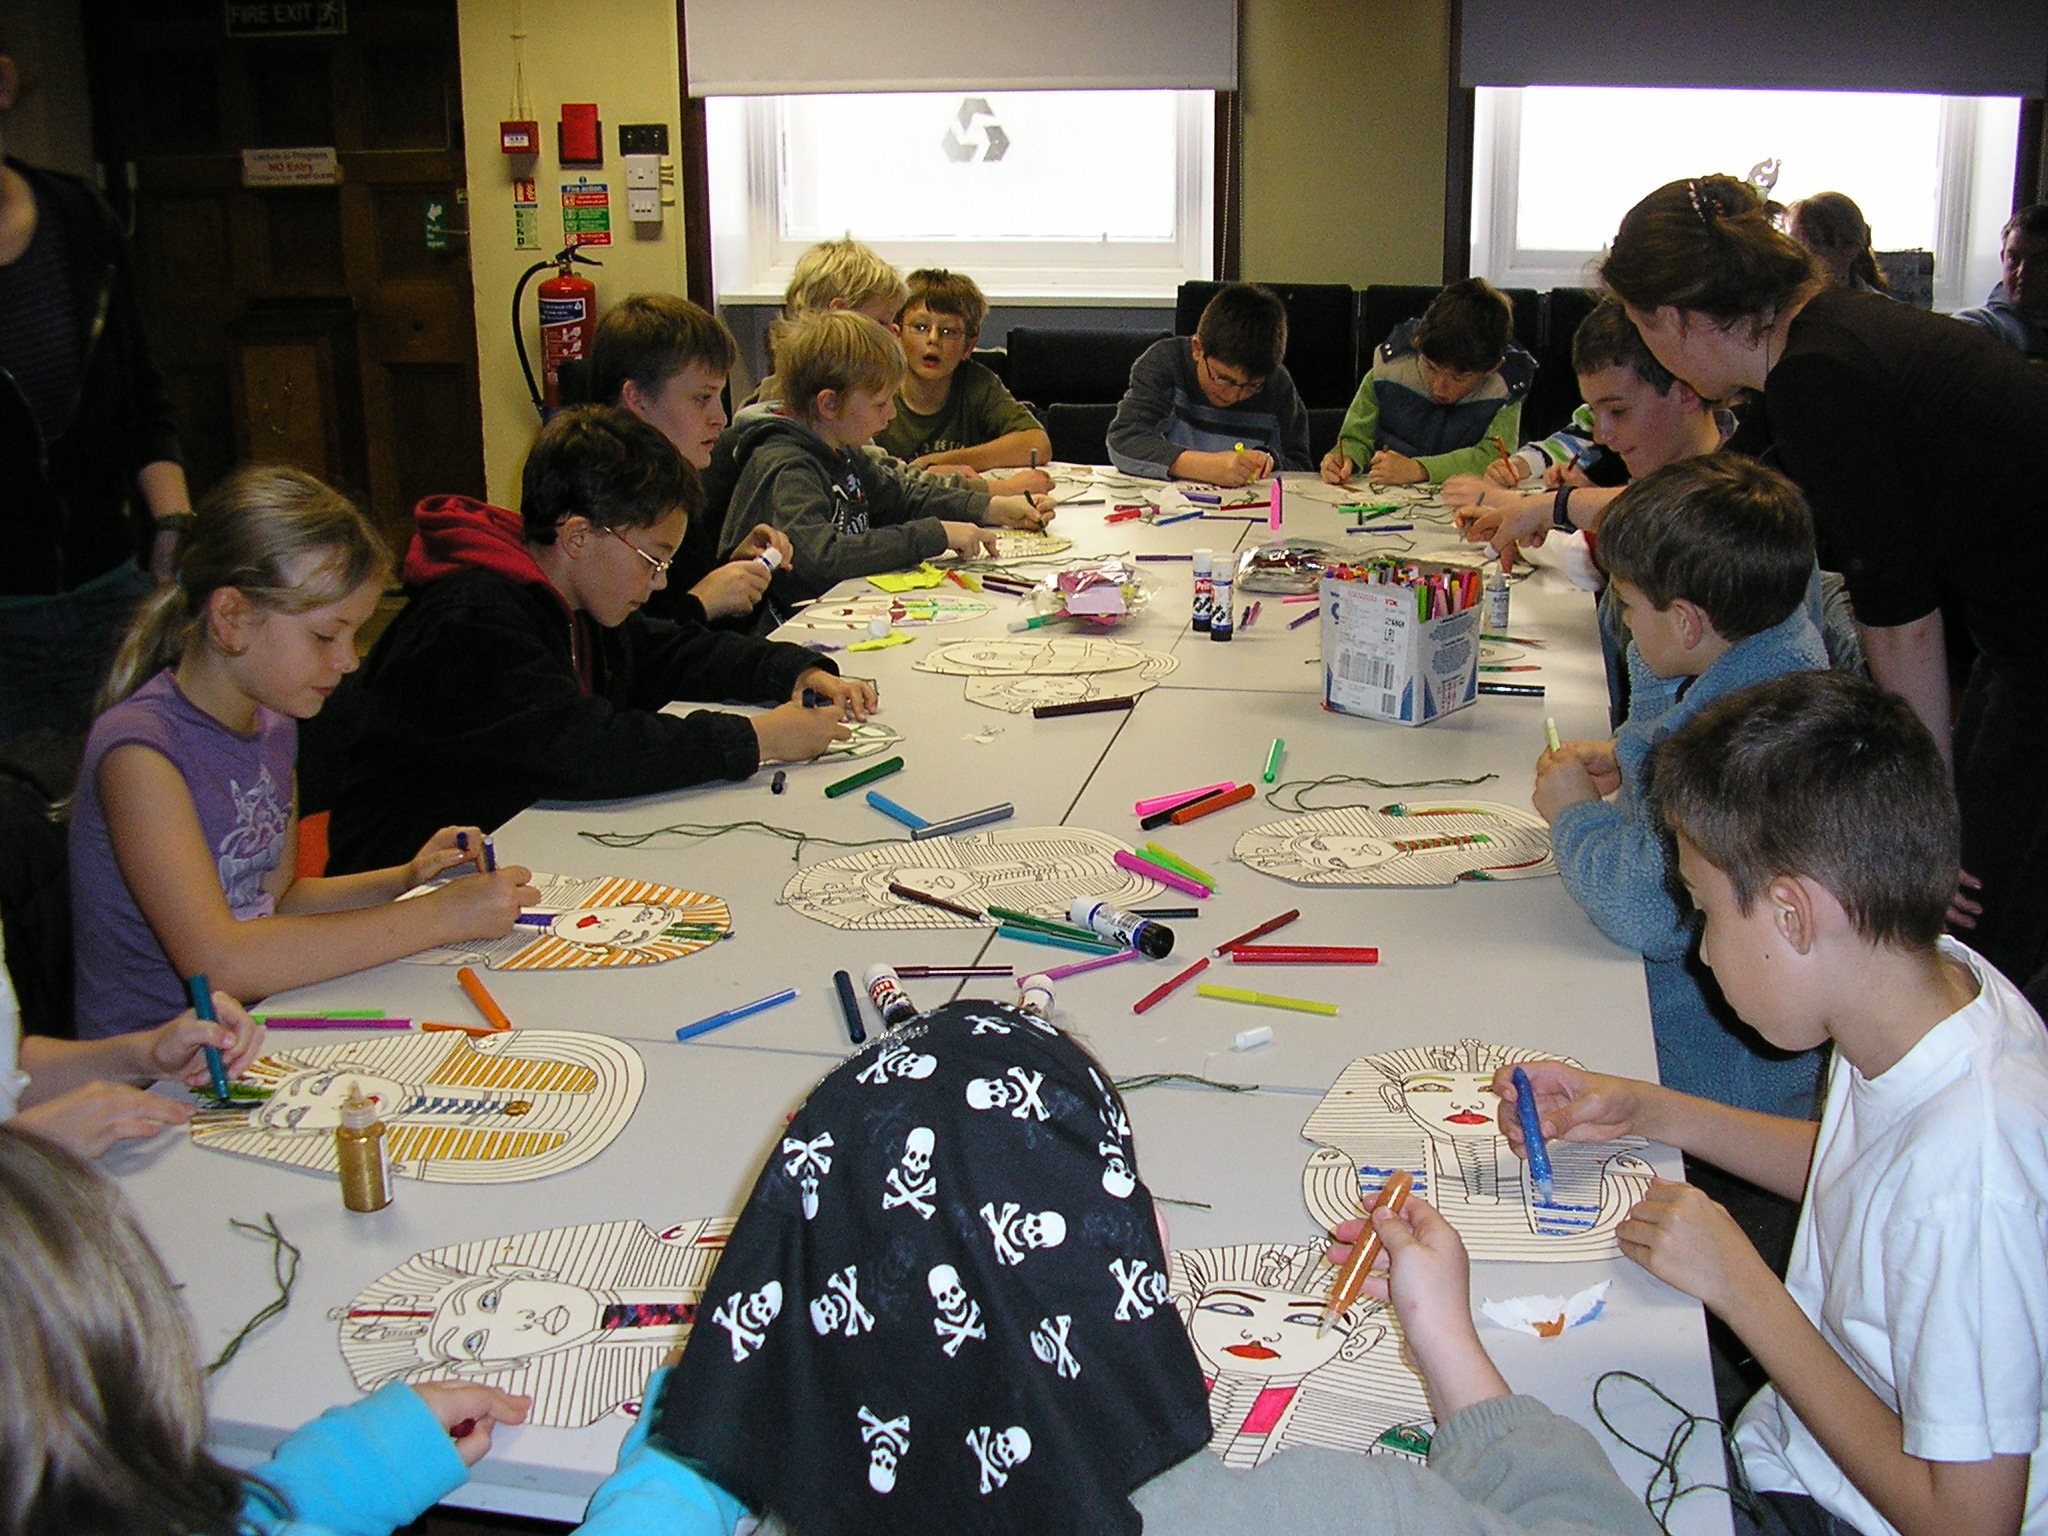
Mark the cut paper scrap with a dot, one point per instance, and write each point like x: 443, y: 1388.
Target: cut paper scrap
x: 1423, y: 842
x: 1033, y: 869
x: 1545, y: 1317
x: 869, y: 738
x: 1031, y: 655
x: 1025, y: 545
x: 1016, y: 694
x: 577, y: 1318
x: 903, y: 612
x: 880, y: 642
x: 456, y: 1110
x: 1275, y: 1380
x: 1430, y: 1109
x: 609, y: 921
x: 908, y: 581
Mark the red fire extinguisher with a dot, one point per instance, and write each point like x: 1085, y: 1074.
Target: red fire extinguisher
x: 568, y: 310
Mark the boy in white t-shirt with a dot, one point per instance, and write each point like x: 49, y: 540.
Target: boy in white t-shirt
x: 1815, y: 830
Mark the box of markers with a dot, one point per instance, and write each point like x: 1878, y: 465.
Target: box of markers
x: 1400, y: 640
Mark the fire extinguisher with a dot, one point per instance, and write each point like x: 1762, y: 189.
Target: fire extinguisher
x: 568, y: 309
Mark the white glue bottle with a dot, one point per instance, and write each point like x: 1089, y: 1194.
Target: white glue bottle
x: 885, y: 991
x: 1494, y: 589
x: 1222, y: 625
x: 1205, y: 591
x: 1152, y: 940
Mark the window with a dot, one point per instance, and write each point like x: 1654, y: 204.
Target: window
x: 1073, y: 195
x: 1556, y: 167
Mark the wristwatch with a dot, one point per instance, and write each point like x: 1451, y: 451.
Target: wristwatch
x: 1560, y: 509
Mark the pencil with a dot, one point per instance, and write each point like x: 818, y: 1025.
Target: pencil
x: 485, y: 1003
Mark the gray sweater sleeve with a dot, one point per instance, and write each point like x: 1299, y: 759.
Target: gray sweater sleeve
x: 1137, y: 442
x: 794, y: 493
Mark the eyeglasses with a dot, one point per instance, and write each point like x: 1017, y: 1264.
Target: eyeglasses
x: 1223, y: 383
x: 924, y: 328
x: 656, y: 569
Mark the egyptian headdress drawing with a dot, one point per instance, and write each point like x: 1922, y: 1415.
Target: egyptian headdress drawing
x: 575, y: 1317
x: 1422, y: 842
x: 456, y: 1110
x: 1429, y: 1109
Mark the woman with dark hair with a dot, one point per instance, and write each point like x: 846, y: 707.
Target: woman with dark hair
x: 1830, y: 225
x: 1916, y: 440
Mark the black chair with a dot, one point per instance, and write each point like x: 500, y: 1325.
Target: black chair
x: 1385, y: 305
x: 1555, y: 394
x: 1324, y: 423
x: 995, y: 359
x: 1322, y: 335
x: 1079, y: 432
x: 1074, y: 367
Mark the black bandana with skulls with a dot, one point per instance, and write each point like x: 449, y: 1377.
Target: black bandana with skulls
x: 944, y: 1306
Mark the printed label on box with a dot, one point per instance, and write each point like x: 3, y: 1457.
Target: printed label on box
x: 1382, y: 659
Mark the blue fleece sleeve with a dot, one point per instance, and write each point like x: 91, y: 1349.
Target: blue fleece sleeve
x: 1613, y: 864
x: 361, y: 1470
x: 653, y: 1492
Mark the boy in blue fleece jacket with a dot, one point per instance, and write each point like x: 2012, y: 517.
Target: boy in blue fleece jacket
x: 1710, y: 559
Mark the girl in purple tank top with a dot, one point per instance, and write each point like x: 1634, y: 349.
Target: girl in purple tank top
x: 184, y: 839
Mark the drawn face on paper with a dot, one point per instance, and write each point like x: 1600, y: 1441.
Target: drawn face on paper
x: 1459, y: 1105
x: 628, y: 927
x: 1241, y: 1329
x: 510, y: 1319
x: 312, y: 1100
x: 1343, y: 850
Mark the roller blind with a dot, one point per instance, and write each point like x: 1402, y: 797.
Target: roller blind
x: 797, y: 47
x: 1932, y: 47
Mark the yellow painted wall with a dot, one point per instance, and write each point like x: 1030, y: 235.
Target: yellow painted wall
x: 1345, y: 113
x: 621, y: 56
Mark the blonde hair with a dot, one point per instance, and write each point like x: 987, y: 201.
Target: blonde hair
x: 251, y: 532
x: 844, y: 270
x: 836, y: 350
x: 102, y: 1406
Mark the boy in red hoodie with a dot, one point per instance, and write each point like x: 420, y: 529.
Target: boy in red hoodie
x: 521, y: 668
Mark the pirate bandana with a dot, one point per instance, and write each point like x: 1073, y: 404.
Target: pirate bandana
x: 944, y: 1306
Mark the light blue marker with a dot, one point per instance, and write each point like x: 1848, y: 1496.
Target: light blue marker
x: 896, y: 812
x: 734, y: 1015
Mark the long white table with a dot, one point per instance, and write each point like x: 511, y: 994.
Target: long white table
x: 1513, y: 962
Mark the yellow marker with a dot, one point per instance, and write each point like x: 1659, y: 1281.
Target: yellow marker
x: 1550, y: 731
x: 1265, y: 999
x: 1240, y: 448
x: 1173, y: 861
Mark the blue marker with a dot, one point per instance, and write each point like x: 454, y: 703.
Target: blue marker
x: 896, y: 812
x: 734, y: 1015
x: 490, y: 858
x: 1533, y: 1145
x: 202, y: 1004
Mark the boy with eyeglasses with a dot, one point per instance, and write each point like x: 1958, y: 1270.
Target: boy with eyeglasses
x: 1217, y: 406
x: 522, y: 668
x: 952, y: 412
x: 1443, y: 391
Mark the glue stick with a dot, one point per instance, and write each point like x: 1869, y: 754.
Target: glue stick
x: 885, y: 991
x: 1034, y: 996
x: 770, y: 557
x: 1151, y: 939
x: 1221, y: 625
x: 359, y: 1142
x: 1204, y: 588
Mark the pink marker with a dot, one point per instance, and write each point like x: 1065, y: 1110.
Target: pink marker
x: 1137, y: 866
x: 1060, y: 972
x: 1273, y: 518
x: 1160, y: 803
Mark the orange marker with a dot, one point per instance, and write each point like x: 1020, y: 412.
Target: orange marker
x: 1201, y: 808
x: 1351, y: 1278
x: 485, y: 1003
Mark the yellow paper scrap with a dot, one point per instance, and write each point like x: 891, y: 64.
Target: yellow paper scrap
x: 882, y: 644
x: 908, y: 581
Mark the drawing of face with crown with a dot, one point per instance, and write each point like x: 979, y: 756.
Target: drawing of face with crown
x: 1343, y: 850
x: 312, y: 1100
x: 511, y: 1317
x: 1459, y: 1105
x: 1240, y: 1329
x: 607, y: 928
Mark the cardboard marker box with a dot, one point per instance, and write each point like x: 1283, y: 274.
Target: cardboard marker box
x: 1381, y: 659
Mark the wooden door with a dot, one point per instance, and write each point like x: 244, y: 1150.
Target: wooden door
x: 267, y: 305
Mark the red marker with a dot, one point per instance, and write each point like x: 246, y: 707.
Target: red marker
x: 1259, y: 932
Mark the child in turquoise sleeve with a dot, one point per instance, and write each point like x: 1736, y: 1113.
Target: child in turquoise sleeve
x: 1443, y: 396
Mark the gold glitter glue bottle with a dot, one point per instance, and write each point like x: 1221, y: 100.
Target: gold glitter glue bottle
x: 359, y: 1141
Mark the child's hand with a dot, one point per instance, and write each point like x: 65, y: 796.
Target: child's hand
x: 970, y: 542
x: 1563, y: 779
x: 1507, y: 472
x: 1963, y: 908
x: 789, y: 733
x: 1596, y: 757
x: 176, y: 1050
x: 95, y: 1116
x: 761, y: 538
x: 1507, y: 526
x: 1572, y: 1104
x: 486, y: 906
x: 1391, y: 468
x: 1025, y: 482
x: 1019, y: 512
x: 1337, y: 468
x: 469, y: 1411
x: 732, y: 589
x: 441, y: 853
x: 849, y: 697
x: 1689, y: 1241
x: 1466, y: 495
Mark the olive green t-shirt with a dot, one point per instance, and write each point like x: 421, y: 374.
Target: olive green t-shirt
x: 977, y: 410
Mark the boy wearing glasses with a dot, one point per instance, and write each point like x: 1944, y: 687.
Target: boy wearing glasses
x: 522, y: 668
x: 951, y: 412
x: 1443, y: 396
x: 1216, y: 406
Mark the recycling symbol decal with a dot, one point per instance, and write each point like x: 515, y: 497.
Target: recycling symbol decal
x: 960, y: 140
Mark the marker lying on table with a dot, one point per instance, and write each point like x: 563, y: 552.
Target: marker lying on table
x: 1168, y: 911
x: 1303, y: 954
x: 1056, y: 940
x: 1351, y: 1278
x: 894, y: 811
x: 965, y: 823
x: 322, y: 1021
x: 485, y: 1003
x: 1062, y: 972
x: 1273, y: 759
x: 1139, y: 865
x: 925, y: 972
x: 1171, y: 860
x: 1178, y: 798
x: 1019, y: 919
x: 1208, y: 804
x: 1081, y: 707
x: 849, y: 1005
x: 1160, y: 992
x: 1534, y: 1148
x: 1269, y: 926
x: 1265, y: 999
x: 1514, y: 690
x: 202, y: 1004
x: 853, y: 781
x: 734, y: 1015
x: 1313, y: 613
x: 927, y: 899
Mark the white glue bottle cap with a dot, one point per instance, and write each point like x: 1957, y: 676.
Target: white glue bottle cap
x: 771, y: 557
x: 1252, y: 1039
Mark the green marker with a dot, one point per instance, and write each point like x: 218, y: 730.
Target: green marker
x: 881, y: 770
x: 1273, y: 758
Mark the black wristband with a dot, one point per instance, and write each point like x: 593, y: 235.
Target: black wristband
x: 1560, y: 509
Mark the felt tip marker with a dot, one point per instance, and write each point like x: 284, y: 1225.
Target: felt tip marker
x: 1534, y: 1147
x: 779, y: 783
x: 202, y: 1005
x: 1266, y: 999
x: 853, y: 781
x: 966, y: 823
x: 1514, y: 690
x: 895, y: 812
x: 734, y: 1015
x: 1351, y: 1278
x: 1550, y: 732
x: 1273, y: 759
x: 490, y: 857
x: 849, y: 1005
x: 481, y: 999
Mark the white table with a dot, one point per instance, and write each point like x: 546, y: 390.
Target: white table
x: 1514, y: 962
